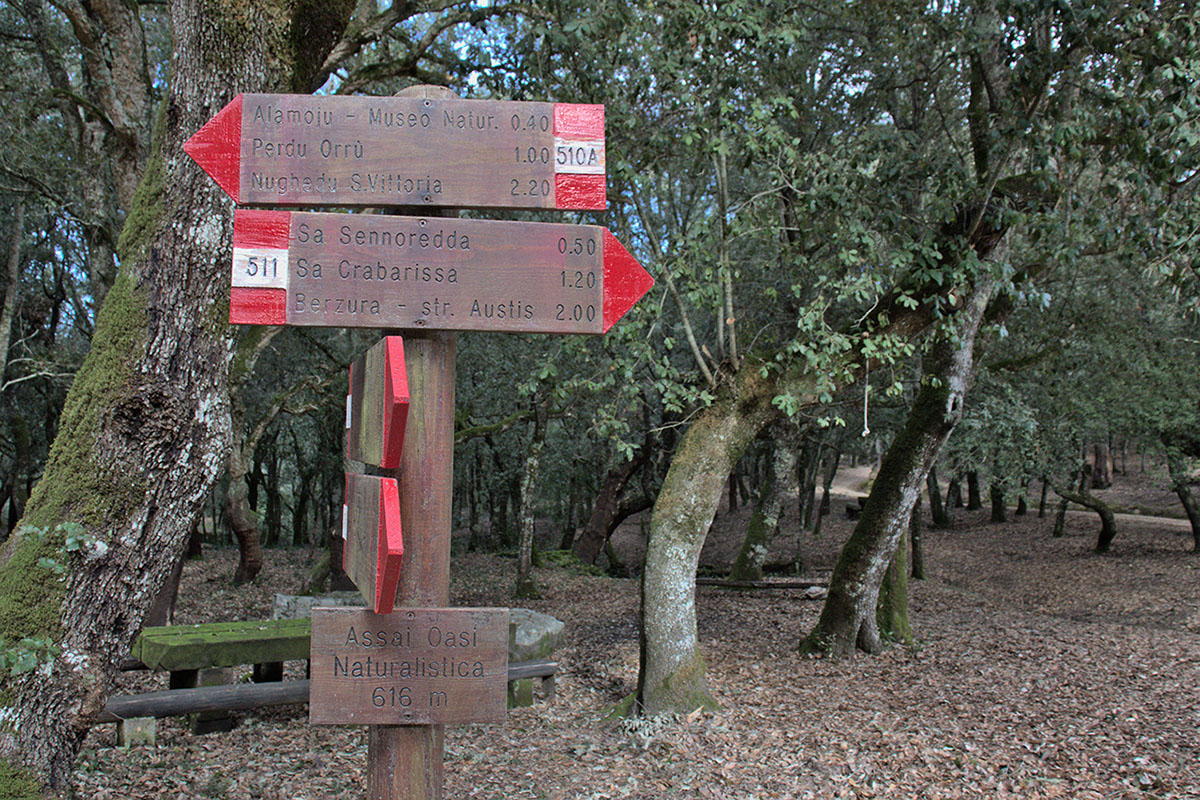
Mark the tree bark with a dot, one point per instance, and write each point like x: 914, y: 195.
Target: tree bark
x: 848, y: 619
x: 145, y: 428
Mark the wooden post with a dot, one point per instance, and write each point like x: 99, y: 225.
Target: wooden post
x: 404, y: 762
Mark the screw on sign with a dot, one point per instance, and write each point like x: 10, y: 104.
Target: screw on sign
x: 273, y: 149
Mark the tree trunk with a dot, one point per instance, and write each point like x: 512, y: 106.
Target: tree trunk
x: 937, y: 511
x: 999, y: 509
x: 823, y: 510
x: 525, y: 517
x: 1102, y: 467
x: 848, y: 619
x: 764, y: 522
x: 954, y: 494
x: 918, y: 548
x: 241, y: 518
x: 1181, y: 483
x: 595, y: 533
x: 145, y: 428
x: 671, y: 674
x: 891, y: 616
x: 1042, y: 499
x: 1108, y: 521
x: 974, y: 497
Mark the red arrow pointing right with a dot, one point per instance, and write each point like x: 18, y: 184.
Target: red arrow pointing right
x: 625, y: 281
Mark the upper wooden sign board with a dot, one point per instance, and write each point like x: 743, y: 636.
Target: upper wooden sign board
x: 377, y: 405
x: 306, y: 150
x: 411, y: 667
x: 376, y: 271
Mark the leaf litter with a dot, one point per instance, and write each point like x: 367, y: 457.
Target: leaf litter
x: 1042, y: 670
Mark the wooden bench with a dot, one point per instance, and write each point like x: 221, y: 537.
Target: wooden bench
x: 222, y: 699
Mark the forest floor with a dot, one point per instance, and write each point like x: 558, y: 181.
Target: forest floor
x: 1041, y: 670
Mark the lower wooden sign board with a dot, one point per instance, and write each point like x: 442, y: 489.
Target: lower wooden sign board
x: 415, y: 666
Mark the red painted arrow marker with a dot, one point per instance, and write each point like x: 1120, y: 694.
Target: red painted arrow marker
x: 295, y: 150
x: 377, y: 406
x: 374, y: 271
x: 374, y: 545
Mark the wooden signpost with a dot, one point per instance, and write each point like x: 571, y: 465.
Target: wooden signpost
x: 407, y: 672
x: 275, y: 149
x: 412, y: 666
x: 373, y: 271
x: 373, y: 550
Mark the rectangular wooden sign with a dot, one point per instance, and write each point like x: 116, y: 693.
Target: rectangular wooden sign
x: 411, y: 667
x: 372, y: 271
x: 373, y: 547
x: 377, y: 405
x: 282, y: 149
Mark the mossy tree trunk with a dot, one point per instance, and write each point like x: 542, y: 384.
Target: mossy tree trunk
x: 768, y: 510
x: 671, y: 675
x: 891, y: 615
x: 145, y: 429
x: 848, y: 619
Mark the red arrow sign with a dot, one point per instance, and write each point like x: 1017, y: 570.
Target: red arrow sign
x: 295, y: 150
x: 377, y: 406
x: 373, y: 271
x: 374, y: 545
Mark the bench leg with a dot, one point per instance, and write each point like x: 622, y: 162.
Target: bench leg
x: 270, y: 672
x: 136, y: 730
x: 548, y: 687
x: 184, y: 678
x: 213, y: 721
x: 520, y: 693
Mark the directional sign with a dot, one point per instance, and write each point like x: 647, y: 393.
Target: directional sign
x: 295, y: 150
x: 374, y: 547
x: 373, y: 271
x: 377, y: 405
x: 410, y: 667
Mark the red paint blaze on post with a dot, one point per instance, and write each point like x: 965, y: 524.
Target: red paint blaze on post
x: 624, y: 280
x: 258, y: 294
